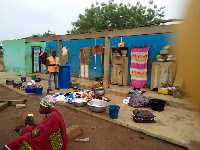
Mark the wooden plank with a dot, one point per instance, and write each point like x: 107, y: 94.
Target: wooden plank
x: 59, y: 49
x: 14, y: 102
x: 109, y: 33
x: 106, y: 62
x: 125, y: 71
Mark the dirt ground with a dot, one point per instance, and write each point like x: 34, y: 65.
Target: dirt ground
x: 102, y: 134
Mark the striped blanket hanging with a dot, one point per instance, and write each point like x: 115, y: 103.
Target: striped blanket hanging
x: 138, y: 68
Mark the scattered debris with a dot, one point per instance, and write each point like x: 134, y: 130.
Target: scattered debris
x: 142, y: 137
x: 20, y: 105
x: 83, y: 140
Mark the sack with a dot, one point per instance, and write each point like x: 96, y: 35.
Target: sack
x: 138, y: 100
x: 143, y: 116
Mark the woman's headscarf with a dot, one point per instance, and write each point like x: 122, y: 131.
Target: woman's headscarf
x: 48, y: 101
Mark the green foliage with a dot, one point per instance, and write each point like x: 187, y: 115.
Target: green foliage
x: 46, y: 33
x: 35, y: 35
x: 113, y: 15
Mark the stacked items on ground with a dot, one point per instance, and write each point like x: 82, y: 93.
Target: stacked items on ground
x: 137, y: 100
x: 166, y: 54
x: 33, y: 87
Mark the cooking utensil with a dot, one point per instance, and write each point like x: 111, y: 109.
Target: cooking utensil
x: 9, y: 81
x: 157, y: 104
x: 99, y: 91
x: 97, y: 105
x: 79, y: 102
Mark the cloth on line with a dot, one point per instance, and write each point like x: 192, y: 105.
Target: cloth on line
x: 43, y: 57
x: 138, y: 68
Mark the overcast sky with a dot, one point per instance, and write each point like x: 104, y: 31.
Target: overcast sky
x: 23, y: 18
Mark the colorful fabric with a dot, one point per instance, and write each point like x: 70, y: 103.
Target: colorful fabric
x: 49, y: 134
x: 53, y: 61
x: 98, y: 49
x: 138, y: 100
x: 48, y: 101
x: 43, y: 57
x: 138, y: 68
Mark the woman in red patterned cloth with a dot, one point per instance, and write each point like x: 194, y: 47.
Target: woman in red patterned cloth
x: 50, y: 134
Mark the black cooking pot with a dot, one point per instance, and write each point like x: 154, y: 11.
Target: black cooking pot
x: 37, y: 79
x: 157, y: 104
x: 75, y: 86
x: 9, y: 81
x: 17, y: 85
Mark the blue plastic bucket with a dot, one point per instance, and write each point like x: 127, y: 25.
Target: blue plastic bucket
x: 38, y: 91
x: 113, y: 111
x: 64, y: 77
x: 23, y: 79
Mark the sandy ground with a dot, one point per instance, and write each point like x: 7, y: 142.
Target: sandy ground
x: 178, y: 123
x: 102, y: 134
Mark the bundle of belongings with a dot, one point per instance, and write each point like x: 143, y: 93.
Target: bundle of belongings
x: 137, y: 99
x: 143, y: 116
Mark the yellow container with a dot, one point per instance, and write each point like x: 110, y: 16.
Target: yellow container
x: 163, y: 91
x: 121, y: 44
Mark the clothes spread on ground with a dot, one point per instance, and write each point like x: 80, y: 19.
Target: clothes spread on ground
x: 50, y: 134
x: 138, y: 68
x: 43, y: 57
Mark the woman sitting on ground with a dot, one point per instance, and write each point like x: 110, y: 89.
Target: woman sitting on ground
x: 50, y: 134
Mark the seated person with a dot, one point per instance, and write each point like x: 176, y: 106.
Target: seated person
x: 50, y: 134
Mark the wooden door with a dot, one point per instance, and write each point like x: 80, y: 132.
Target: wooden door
x: 84, y: 65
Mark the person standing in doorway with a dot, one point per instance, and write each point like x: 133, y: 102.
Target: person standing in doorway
x: 53, y: 68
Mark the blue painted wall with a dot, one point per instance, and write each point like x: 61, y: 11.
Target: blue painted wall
x: 53, y: 45
x: 156, y: 41
x: 74, y: 48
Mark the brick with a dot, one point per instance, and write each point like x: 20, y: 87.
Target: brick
x: 74, y: 131
x: 20, y: 105
x: 14, y: 102
x: 3, y: 105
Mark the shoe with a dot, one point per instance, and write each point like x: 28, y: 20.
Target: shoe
x: 57, y: 89
x: 50, y: 90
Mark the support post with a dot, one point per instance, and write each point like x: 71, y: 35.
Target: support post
x: 106, y: 62
x: 59, y: 48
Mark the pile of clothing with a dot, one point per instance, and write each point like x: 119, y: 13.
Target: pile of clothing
x: 86, y: 94
x: 137, y: 99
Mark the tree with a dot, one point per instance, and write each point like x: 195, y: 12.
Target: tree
x: 44, y: 34
x: 35, y: 35
x: 47, y: 33
x: 113, y: 15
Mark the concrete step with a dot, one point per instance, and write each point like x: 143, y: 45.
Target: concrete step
x: 3, y: 105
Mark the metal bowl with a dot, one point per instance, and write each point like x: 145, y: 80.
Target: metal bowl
x: 79, y: 102
x: 97, y: 105
x: 99, y: 91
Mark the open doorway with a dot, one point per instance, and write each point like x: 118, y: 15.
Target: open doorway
x: 36, y: 64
